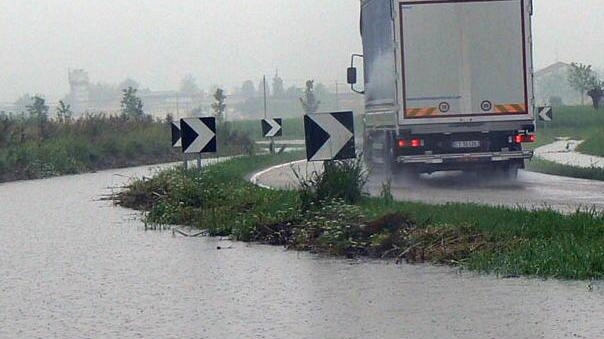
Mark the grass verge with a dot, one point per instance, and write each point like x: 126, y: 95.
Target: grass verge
x: 594, y: 144
x: 508, y: 242
x: 578, y: 123
x: 550, y: 167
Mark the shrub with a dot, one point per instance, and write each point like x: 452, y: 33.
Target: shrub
x: 343, y: 180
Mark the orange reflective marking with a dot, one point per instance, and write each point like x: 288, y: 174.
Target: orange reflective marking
x: 420, y: 112
x: 510, y: 108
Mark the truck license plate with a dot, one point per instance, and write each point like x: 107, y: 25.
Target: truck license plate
x: 466, y: 144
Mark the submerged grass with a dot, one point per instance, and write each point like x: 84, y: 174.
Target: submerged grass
x: 505, y: 241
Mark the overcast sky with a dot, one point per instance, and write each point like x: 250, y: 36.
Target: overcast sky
x: 224, y: 42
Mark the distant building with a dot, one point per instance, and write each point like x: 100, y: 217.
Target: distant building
x: 85, y: 96
x: 551, y: 82
x: 79, y: 95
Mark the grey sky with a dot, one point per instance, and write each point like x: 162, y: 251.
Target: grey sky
x: 222, y: 42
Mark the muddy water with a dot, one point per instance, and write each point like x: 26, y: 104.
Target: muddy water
x: 72, y: 266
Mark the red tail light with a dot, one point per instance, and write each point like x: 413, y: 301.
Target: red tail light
x: 414, y: 143
x: 522, y: 138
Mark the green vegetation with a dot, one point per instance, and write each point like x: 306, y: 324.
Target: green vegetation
x: 578, y: 123
x: 550, y: 167
x: 508, y: 242
x: 594, y: 143
x: 34, y: 148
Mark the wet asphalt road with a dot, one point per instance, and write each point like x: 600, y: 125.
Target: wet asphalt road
x: 530, y: 190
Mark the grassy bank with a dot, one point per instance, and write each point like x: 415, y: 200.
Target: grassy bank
x: 505, y: 241
x: 29, y: 149
x: 550, y: 167
x: 594, y: 143
x: 578, y: 123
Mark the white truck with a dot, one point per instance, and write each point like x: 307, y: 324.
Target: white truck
x: 448, y: 84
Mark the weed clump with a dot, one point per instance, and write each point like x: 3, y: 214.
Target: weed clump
x: 343, y: 180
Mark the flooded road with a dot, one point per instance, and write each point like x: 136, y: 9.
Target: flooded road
x: 73, y: 266
x: 531, y: 190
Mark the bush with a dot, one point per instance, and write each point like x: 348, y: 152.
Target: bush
x: 342, y: 180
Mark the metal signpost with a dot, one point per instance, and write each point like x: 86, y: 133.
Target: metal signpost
x: 272, y: 128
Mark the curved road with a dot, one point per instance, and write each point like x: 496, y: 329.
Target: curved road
x: 531, y: 190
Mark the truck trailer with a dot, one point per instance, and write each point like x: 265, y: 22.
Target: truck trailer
x: 448, y: 84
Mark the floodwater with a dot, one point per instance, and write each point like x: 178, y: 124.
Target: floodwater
x: 564, y: 152
x: 531, y: 190
x: 73, y: 266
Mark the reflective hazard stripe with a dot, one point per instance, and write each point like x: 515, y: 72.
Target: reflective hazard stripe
x: 420, y: 112
x: 510, y: 108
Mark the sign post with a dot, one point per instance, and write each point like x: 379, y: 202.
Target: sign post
x: 272, y: 128
x: 177, y: 140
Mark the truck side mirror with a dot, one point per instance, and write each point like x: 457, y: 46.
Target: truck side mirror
x: 352, y: 75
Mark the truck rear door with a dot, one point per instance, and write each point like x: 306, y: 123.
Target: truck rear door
x: 465, y: 61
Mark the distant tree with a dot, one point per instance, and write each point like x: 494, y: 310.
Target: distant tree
x: 38, y: 110
x: 248, y: 90
x: 596, y: 93
x: 278, y: 90
x: 309, y: 102
x: 131, y: 105
x: 581, y: 78
x: 188, y: 86
x: 63, y: 111
x: 219, y: 106
x: 128, y: 83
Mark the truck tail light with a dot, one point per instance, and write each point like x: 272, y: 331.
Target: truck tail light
x: 410, y: 143
x: 522, y: 138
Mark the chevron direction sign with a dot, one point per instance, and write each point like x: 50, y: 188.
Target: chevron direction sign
x: 329, y: 136
x: 176, y: 140
x: 272, y: 127
x: 198, y: 135
x: 546, y: 113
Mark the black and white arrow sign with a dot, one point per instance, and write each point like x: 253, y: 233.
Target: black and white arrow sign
x: 176, y: 140
x: 198, y: 135
x: 272, y: 127
x: 329, y: 136
x: 546, y: 113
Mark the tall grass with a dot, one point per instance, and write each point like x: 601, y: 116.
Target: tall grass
x: 88, y: 143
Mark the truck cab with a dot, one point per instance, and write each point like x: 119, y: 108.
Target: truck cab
x: 448, y: 84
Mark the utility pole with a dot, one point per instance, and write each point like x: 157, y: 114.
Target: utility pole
x: 337, y: 96
x: 271, y: 145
